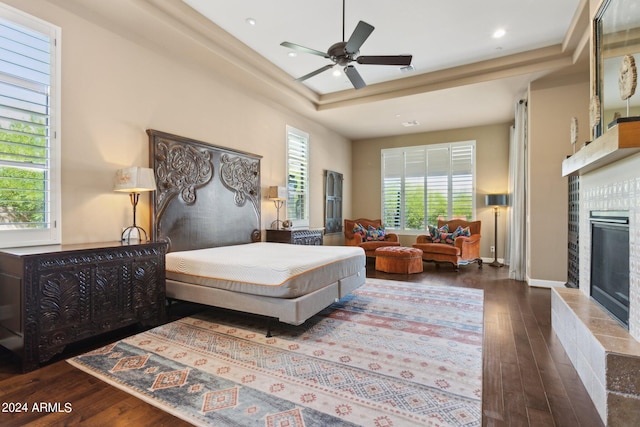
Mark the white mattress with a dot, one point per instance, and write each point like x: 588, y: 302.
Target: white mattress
x: 270, y: 269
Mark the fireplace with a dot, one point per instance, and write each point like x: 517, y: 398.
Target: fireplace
x: 610, y: 262
x: 605, y: 354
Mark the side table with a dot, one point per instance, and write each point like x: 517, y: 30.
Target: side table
x: 311, y: 236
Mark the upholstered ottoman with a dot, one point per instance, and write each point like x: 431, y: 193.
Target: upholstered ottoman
x: 397, y: 259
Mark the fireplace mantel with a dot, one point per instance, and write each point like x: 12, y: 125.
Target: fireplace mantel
x: 620, y: 141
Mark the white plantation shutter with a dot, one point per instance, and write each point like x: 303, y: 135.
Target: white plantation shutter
x: 29, y: 114
x: 423, y: 183
x: 392, y: 188
x: 438, y: 185
x: 414, y: 188
x: 462, y: 180
x: 297, y: 176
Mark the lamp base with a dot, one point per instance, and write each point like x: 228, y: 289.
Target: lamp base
x: 496, y: 263
x: 137, y: 233
x: 277, y: 225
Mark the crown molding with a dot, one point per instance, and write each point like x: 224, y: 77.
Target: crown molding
x: 544, y: 59
x: 175, y: 29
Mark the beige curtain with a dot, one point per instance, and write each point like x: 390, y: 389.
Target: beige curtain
x: 516, y: 255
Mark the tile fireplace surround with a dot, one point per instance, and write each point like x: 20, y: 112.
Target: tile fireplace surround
x: 605, y: 355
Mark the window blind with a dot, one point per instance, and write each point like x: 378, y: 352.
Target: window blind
x: 438, y: 184
x: 27, y: 48
x: 297, y: 174
x: 393, y: 189
x: 462, y: 181
x: 423, y: 183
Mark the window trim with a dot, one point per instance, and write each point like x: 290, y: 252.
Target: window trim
x: 426, y: 147
x: 53, y: 234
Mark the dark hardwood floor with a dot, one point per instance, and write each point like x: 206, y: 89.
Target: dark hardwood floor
x: 528, y: 379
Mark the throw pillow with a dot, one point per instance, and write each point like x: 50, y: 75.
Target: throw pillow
x: 443, y: 238
x: 433, y: 230
x: 375, y: 233
x: 359, y: 229
x: 465, y: 232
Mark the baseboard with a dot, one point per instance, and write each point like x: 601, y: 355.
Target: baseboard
x: 534, y: 283
x: 539, y: 283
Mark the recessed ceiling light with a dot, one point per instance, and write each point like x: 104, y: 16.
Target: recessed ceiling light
x: 336, y: 73
x: 292, y: 54
x: 250, y: 21
x: 410, y: 123
x: 500, y: 32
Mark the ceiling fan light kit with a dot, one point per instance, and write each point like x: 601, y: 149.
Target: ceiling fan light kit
x: 344, y: 52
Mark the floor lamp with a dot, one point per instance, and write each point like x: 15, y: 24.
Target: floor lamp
x: 495, y: 200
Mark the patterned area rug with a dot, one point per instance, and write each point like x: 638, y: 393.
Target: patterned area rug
x: 391, y: 354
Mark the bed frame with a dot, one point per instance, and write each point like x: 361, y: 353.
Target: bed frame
x: 206, y: 196
x: 209, y: 196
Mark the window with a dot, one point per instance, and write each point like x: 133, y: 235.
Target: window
x: 29, y: 119
x: 423, y: 183
x: 298, y: 176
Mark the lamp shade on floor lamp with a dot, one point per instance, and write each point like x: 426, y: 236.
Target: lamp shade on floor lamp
x: 495, y: 200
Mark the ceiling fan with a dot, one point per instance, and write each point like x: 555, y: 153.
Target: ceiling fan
x: 345, y: 52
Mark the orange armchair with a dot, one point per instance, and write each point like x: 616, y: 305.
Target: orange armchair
x: 369, y: 246
x: 464, y: 250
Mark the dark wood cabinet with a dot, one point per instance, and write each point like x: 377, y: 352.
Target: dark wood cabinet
x: 312, y: 236
x: 52, y: 296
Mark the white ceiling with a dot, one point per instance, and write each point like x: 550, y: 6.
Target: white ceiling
x: 463, y: 77
x: 440, y: 36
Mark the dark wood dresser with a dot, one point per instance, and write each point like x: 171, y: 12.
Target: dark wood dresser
x: 312, y: 236
x: 51, y: 296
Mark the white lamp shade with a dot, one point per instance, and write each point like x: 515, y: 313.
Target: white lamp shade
x: 277, y: 193
x: 134, y: 180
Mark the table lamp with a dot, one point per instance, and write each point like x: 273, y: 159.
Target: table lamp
x: 278, y: 195
x: 134, y: 181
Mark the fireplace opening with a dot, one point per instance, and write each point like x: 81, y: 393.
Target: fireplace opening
x: 610, y: 262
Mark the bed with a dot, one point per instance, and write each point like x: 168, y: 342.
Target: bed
x: 208, y: 208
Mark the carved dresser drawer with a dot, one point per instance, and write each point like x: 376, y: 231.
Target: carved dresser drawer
x: 312, y: 237
x: 51, y: 296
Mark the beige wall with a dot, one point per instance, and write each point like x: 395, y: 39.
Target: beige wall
x: 492, y: 171
x: 114, y: 89
x: 552, y: 103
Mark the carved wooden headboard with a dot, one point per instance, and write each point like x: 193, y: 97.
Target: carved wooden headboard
x: 206, y: 195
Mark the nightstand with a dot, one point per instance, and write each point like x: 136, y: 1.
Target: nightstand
x: 311, y: 236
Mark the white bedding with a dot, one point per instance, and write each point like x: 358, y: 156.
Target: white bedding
x: 269, y: 269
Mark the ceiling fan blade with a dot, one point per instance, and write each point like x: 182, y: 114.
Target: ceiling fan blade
x: 354, y: 76
x: 360, y: 34
x: 316, y: 72
x: 304, y: 49
x: 385, y: 60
